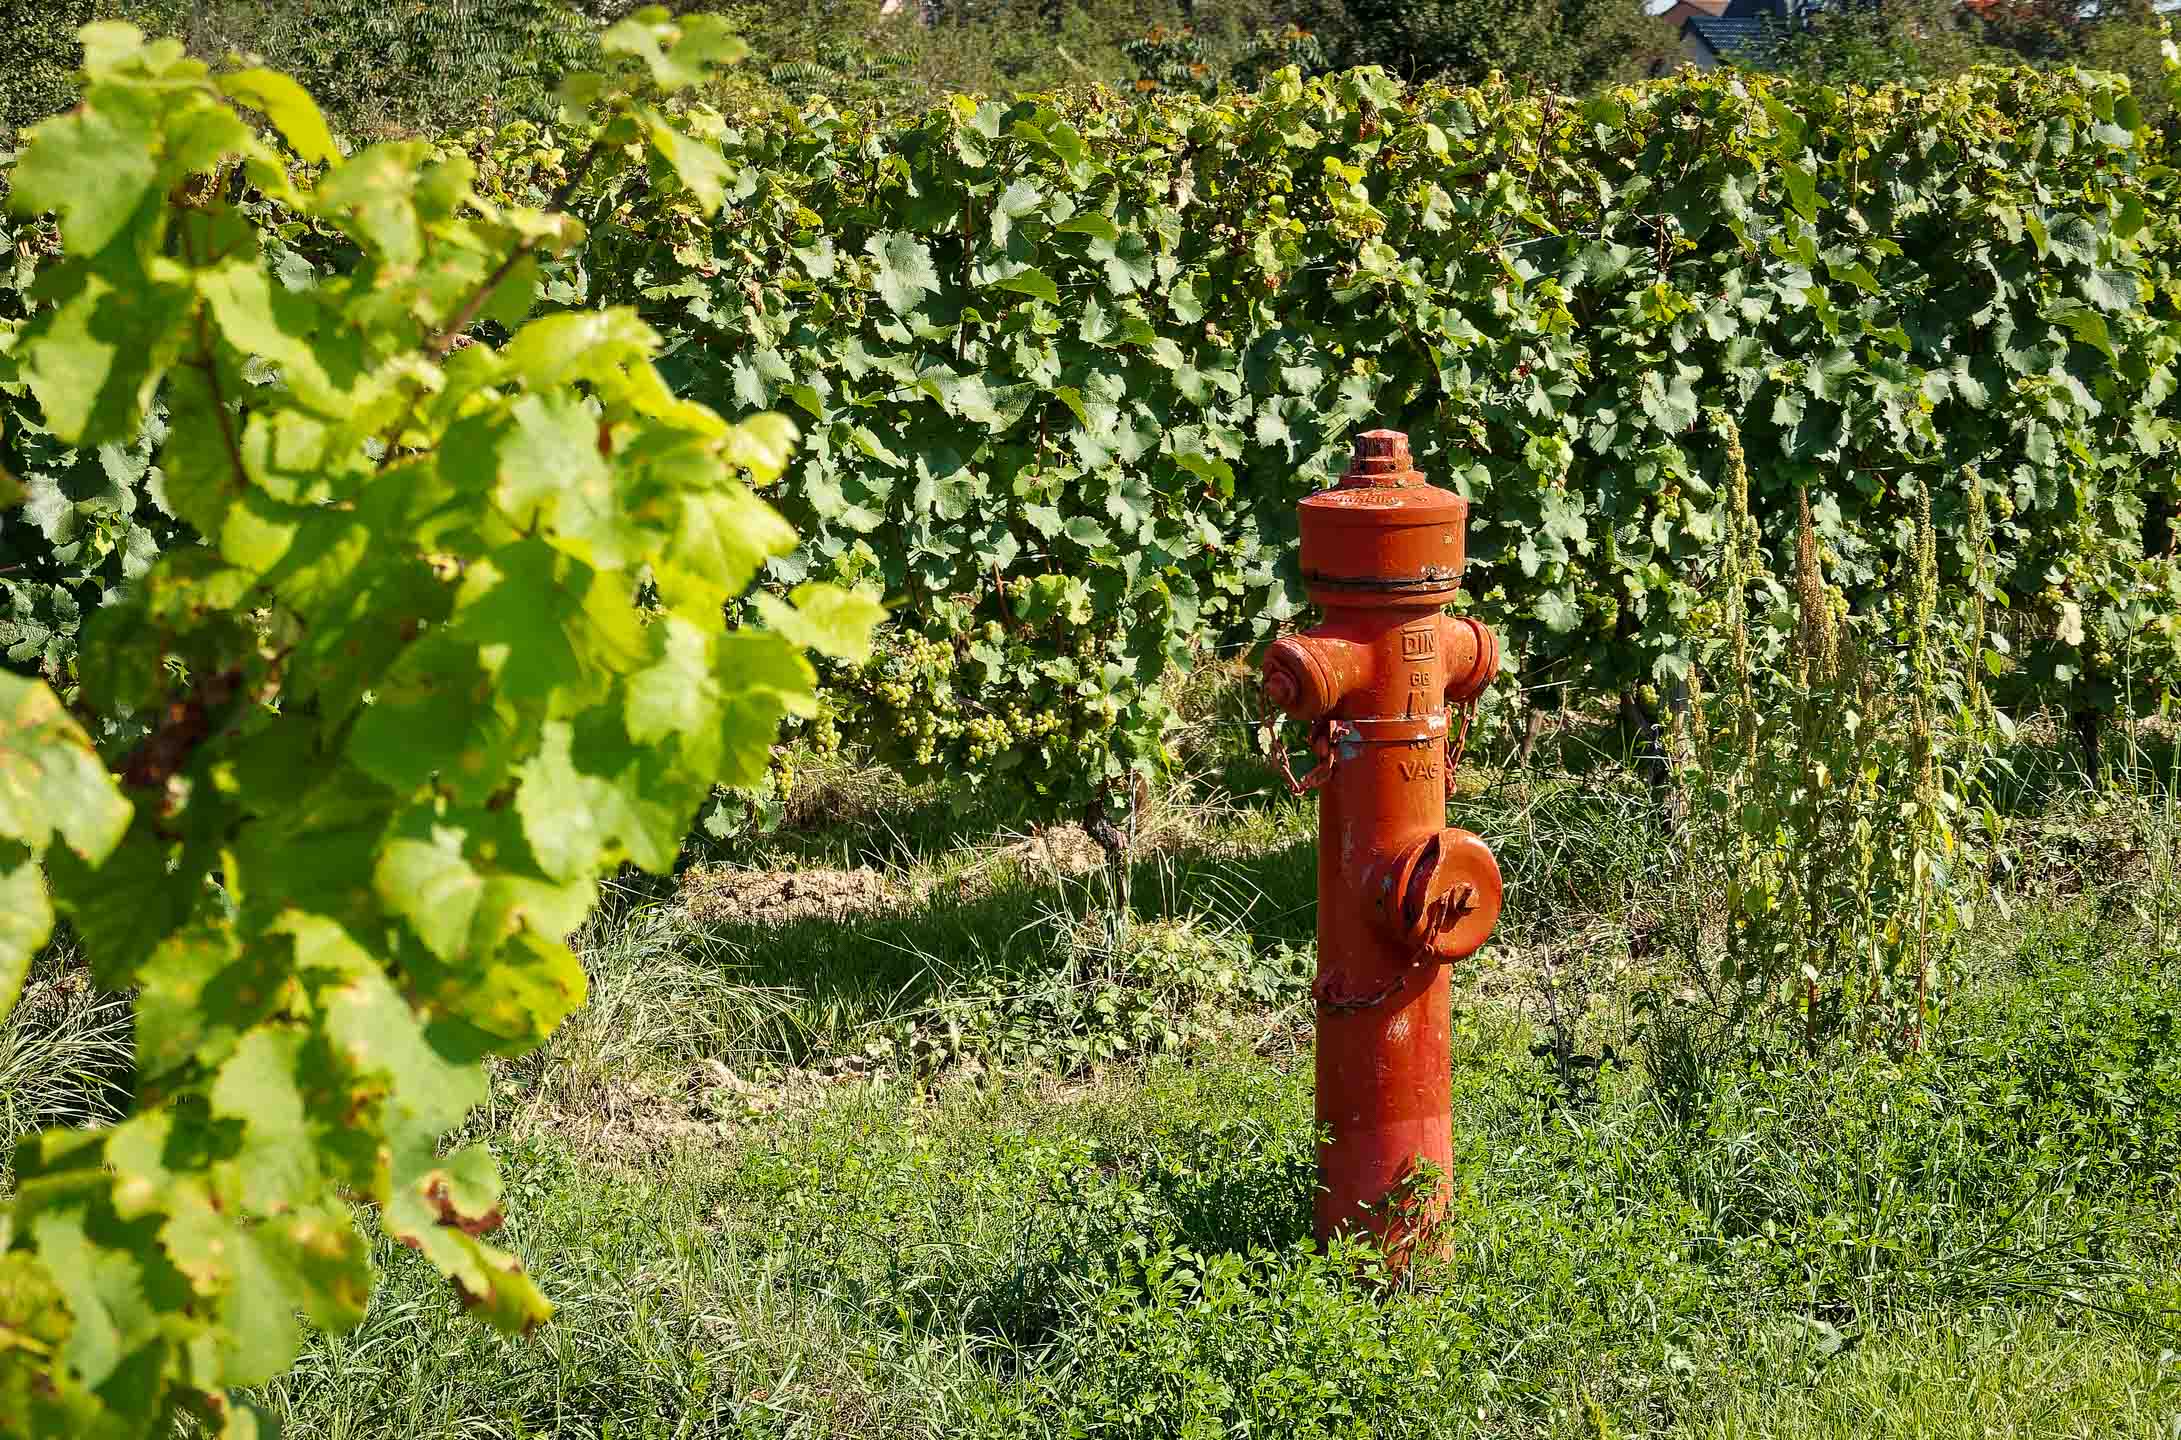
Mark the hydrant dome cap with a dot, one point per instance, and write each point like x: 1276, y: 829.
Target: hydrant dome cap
x: 1382, y: 530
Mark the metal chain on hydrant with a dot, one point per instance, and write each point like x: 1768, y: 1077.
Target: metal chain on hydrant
x: 1419, y: 959
x: 1322, y: 740
x: 1323, y: 993
x: 1468, y: 709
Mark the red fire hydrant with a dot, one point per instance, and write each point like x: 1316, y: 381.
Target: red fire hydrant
x: 1399, y: 893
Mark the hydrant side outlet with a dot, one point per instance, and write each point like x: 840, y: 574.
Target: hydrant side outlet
x: 1400, y: 893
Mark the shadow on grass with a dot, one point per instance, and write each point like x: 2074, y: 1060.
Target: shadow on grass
x: 868, y: 817
x: 869, y: 820
x: 1011, y: 929
x: 1571, y: 851
x: 1581, y: 842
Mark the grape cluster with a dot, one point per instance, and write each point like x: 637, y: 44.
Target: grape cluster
x: 1011, y: 728
x: 825, y: 732
x: 921, y: 721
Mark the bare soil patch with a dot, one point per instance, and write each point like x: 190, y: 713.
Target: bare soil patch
x: 1057, y: 849
x: 736, y: 895
x: 728, y: 894
x: 708, y: 1106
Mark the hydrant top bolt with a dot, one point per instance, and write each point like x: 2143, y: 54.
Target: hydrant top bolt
x: 1380, y: 451
x: 1381, y: 460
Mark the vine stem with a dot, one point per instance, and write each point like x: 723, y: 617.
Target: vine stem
x: 444, y: 340
x: 207, y: 360
x: 438, y: 346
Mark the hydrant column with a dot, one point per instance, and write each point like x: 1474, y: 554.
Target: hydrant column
x: 1399, y: 893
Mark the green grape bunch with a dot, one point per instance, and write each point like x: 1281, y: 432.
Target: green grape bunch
x: 1029, y: 711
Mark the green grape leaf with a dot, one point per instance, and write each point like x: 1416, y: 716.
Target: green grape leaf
x: 1558, y: 612
x: 553, y: 350
x: 547, y: 627
x: 676, y: 694
x: 35, y: 1315
x: 452, y: 879
x: 26, y: 920
x: 200, y: 991
x: 372, y: 1032
x: 372, y: 197
x: 2074, y: 240
x: 763, y: 678
x: 1099, y: 227
x: 437, y: 714
x: 761, y: 445
x: 261, y: 318
x: 253, y: 1298
x: 723, y: 537
x: 678, y: 55
x: 403, y: 708
x: 51, y: 781
x: 540, y: 462
x: 103, y: 1289
x: 1208, y: 468
x: 490, y: 1283
x: 1031, y: 282
x: 1671, y: 405
x: 2086, y: 325
x: 696, y: 164
x: 529, y: 988
x: 574, y: 818
x: 2113, y: 291
x: 1127, y: 261
x: 1022, y: 198
x: 94, y: 166
x: 290, y: 108
x: 905, y: 271
x: 824, y: 618
x: 1853, y: 272
x: 1801, y: 189
x: 313, y: 1260
x: 94, y: 361
x: 258, y: 1085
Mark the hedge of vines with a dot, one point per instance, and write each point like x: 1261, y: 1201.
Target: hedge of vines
x: 1065, y: 368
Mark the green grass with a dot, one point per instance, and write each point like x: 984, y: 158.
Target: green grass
x: 2001, y: 1376
x: 1981, y: 1238
x: 65, y: 1055
x: 996, y: 1160
x: 1880, y: 1245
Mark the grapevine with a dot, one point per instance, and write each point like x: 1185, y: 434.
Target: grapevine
x: 454, y: 648
x: 1071, y: 437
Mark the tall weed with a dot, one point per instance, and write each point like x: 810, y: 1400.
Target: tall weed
x: 1839, y: 808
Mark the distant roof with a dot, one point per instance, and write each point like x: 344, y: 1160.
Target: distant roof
x: 1743, y: 39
